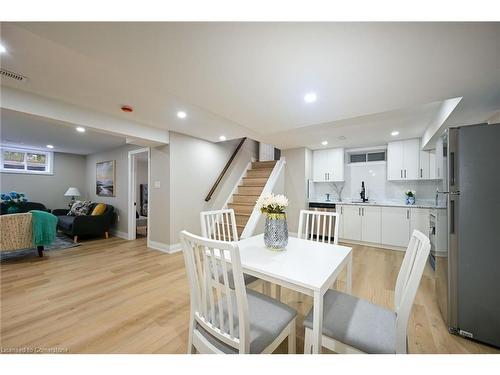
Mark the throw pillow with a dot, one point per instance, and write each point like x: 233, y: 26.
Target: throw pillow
x: 99, y: 209
x: 80, y: 208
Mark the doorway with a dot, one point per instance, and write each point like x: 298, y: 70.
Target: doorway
x: 139, y: 176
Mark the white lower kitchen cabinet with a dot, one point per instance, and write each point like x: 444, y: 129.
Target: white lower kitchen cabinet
x: 340, y: 210
x: 419, y: 220
x: 395, y: 229
x: 370, y: 224
x: 351, y: 220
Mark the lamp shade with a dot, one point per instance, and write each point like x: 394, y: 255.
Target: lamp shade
x: 72, y: 192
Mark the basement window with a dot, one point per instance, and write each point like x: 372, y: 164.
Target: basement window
x: 364, y: 157
x: 21, y: 160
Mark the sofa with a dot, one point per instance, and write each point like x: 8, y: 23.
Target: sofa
x: 25, y: 207
x: 84, y: 225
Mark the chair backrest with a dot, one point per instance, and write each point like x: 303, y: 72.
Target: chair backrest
x: 215, y: 306
x: 407, y: 284
x: 219, y: 225
x: 320, y: 226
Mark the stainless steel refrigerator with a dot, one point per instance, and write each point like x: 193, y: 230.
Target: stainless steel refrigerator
x: 468, y: 275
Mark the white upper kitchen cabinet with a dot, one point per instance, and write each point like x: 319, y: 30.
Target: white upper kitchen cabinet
x: 403, y: 159
x: 370, y: 224
x: 439, y: 159
x: 328, y: 165
x: 419, y: 220
x: 432, y: 164
x: 395, y: 226
x: 320, y: 165
x: 351, y: 222
x: 424, y: 170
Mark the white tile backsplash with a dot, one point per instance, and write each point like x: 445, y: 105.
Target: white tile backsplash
x: 377, y: 187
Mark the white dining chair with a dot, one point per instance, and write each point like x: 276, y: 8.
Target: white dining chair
x: 353, y: 325
x: 320, y: 226
x: 220, y: 225
x: 230, y: 320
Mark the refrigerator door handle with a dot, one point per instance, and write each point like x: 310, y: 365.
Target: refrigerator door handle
x: 452, y: 168
x: 452, y: 216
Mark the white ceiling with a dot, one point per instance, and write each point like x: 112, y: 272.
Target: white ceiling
x: 249, y: 79
x: 29, y: 131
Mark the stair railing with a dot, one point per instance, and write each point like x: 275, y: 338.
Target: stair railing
x: 226, y: 167
x: 279, y: 168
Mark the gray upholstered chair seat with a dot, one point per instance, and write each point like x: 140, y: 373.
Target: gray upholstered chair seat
x: 268, y: 318
x: 357, y: 323
x: 247, y: 279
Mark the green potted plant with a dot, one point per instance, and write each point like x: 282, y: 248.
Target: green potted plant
x: 410, y: 196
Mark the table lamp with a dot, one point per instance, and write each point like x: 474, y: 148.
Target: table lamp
x: 72, y: 192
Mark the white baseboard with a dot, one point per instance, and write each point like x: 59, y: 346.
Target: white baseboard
x: 117, y: 233
x: 163, y: 247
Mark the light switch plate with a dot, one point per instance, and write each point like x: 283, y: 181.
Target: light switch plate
x: 157, y: 184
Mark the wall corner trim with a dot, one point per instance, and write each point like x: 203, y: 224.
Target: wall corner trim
x: 120, y: 234
x: 163, y: 247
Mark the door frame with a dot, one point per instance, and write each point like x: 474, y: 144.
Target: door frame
x: 131, y: 192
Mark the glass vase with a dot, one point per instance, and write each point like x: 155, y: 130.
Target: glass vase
x: 276, y: 231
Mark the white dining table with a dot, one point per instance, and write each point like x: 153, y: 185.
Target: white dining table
x: 307, y: 267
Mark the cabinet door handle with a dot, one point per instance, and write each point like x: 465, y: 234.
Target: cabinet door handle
x: 401, y: 173
x: 405, y: 173
x: 407, y: 214
x: 359, y: 211
x: 421, y: 173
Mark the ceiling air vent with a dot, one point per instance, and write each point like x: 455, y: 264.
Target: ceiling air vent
x: 11, y: 75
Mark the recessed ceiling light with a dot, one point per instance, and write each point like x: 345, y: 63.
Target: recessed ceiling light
x: 2, y: 48
x: 80, y: 129
x: 50, y: 146
x: 324, y: 143
x: 181, y: 114
x: 395, y: 133
x: 310, y: 97
x: 222, y: 138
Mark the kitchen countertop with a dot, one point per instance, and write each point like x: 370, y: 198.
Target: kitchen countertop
x: 424, y: 204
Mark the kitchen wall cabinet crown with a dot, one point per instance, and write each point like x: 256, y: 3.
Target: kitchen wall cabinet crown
x: 328, y: 165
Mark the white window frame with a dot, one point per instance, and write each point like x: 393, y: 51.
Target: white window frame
x: 49, y: 160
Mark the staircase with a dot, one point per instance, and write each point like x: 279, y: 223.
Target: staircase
x: 243, y: 201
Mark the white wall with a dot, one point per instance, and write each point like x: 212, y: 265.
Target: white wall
x: 195, y: 165
x: 120, y: 200
x: 297, y: 172
x: 159, y: 197
x: 377, y: 187
x: 69, y: 170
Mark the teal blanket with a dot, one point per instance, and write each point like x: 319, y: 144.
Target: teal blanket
x: 44, y: 228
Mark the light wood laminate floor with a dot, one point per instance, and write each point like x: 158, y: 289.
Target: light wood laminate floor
x: 117, y: 296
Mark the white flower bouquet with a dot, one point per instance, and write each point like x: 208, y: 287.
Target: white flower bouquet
x: 272, y: 204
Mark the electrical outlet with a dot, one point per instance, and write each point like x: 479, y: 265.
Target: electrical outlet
x: 157, y: 184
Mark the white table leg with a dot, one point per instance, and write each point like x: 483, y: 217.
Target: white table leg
x: 348, y: 282
x: 317, y: 322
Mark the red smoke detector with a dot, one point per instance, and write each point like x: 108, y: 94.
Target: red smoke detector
x: 127, y: 108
